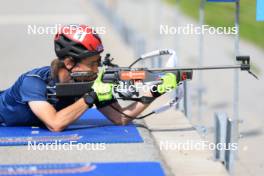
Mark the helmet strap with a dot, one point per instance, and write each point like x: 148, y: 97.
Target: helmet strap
x: 70, y: 69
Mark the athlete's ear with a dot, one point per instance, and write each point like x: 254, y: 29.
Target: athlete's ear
x: 69, y: 63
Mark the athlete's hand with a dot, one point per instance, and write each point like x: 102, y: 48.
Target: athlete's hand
x: 102, y: 90
x: 168, y: 83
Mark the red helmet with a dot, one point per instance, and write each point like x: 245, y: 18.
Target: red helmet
x: 78, y: 42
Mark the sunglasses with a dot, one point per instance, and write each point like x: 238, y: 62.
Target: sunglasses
x: 96, y: 63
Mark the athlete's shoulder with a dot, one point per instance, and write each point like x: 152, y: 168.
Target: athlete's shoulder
x: 41, y: 72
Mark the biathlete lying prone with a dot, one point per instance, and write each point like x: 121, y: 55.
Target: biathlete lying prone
x: 78, y: 48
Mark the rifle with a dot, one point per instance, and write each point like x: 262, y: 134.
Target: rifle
x: 129, y: 77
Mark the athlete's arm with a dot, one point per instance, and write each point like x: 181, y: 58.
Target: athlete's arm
x: 118, y: 118
x: 57, y: 121
x: 132, y: 110
x: 33, y: 92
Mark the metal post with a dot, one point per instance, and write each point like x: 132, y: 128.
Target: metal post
x: 158, y: 60
x: 220, y: 134
x: 230, y: 154
x: 200, y: 74
x: 187, y: 104
x: 236, y: 78
x: 224, y: 129
x: 180, y: 105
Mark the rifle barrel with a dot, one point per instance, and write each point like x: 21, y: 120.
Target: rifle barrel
x: 197, y: 68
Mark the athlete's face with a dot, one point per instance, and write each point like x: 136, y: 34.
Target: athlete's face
x: 89, y: 64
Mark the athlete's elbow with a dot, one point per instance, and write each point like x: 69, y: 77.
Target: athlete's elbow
x: 121, y: 121
x: 55, y: 127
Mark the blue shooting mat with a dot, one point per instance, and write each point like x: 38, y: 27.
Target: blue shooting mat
x: 89, y: 169
x: 92, y: 127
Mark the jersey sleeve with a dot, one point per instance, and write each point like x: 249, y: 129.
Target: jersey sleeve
x: 33, y: 89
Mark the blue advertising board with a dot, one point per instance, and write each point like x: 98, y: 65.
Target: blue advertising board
x: 260, y: 10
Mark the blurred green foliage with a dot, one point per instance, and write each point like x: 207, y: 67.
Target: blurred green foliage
x: 223, y: 14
